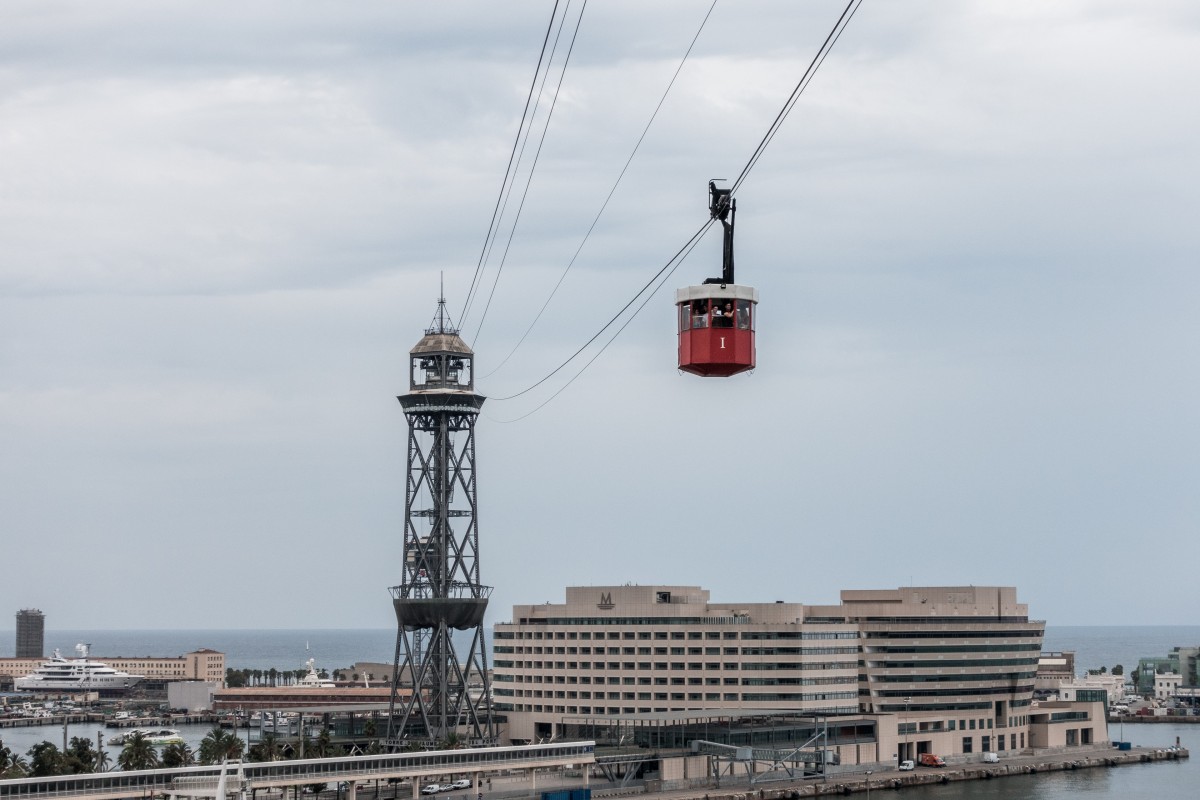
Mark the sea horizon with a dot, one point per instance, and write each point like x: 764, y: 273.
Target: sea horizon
x: 1095, y: 646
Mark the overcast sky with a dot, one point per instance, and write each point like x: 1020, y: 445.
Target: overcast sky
x: 222, y: 228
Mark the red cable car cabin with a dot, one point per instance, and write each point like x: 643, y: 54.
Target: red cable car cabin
x: 717, y: 319
x: 716, y: 329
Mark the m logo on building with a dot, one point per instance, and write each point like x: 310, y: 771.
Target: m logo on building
x: 605, y: 600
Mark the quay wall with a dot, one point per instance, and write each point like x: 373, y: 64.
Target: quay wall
x: 108, y: 722
x: 847, y: 783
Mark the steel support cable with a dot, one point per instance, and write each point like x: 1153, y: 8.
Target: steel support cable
x: 533, y: 167
x: 679, y: 255
x: 611, y: 339
x: 830, y: 40
x: 508, y: 169
x: 611, y: 192
x: 524, y: 143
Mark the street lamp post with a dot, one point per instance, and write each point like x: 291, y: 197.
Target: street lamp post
x: 868, y: 784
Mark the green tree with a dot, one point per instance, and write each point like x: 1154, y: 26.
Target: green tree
x: 273, y: 674
x: 12, y: 765
x: 234, y: 678
x: 46, y: 760
x: 138, y: 753
x: 178, y: 754
x: 81, y: 756
x: 369, y: 728
x: 220, y: 745
x: 103, y: 761
x: 1118, y: 670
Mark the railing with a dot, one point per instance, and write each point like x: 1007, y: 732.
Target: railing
x: 145, y: 783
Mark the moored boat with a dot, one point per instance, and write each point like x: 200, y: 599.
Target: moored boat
x: 74, y: 674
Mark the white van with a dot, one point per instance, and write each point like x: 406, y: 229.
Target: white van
x: 991, y: 758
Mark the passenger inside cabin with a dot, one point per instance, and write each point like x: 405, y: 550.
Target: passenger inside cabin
x: 743, y: 315
x: 723, y: 315
x: 699, y: 313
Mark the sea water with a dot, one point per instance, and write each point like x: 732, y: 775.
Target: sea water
x: 1094, y: 646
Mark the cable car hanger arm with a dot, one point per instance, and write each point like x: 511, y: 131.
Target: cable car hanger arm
x: 723, y: 207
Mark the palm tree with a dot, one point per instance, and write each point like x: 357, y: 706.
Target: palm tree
x: 266, y: 749
x: 178, y: 754
x: 12, y: 765
x: 220, y: 745
x: 138, y: 753
x: 322, y: 746
x: 452, y: 742
x: 103, y: 761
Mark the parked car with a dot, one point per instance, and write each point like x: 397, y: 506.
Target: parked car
x: 991, y: 758
x: 905, y: 766
x: 432, y: 788
x: 461, y: 783
x: 932, y: 760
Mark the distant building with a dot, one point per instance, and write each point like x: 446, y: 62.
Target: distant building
x: 31, y: 633
x: 1183, y: 662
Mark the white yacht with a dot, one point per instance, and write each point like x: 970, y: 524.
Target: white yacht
x: 66, y: 674
x: 313, y: 680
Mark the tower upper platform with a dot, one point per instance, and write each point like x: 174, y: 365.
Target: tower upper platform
x: 441, y: 366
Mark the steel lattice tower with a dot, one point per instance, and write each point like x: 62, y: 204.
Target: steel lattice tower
x: 440, y: 592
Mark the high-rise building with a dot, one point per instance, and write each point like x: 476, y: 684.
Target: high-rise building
x: 31, y: 633
x: 440, y: 592
x: 945, y: 669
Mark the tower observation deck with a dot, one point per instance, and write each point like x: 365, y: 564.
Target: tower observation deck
x: 440, y: 592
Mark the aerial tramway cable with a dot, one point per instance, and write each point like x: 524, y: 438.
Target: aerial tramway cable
x: 611, y: 192
x: 674, y: 262
x: 537, y: 154
x: 508, y: 170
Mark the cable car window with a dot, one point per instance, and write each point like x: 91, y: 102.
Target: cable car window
x: 743, y: 315
x: 723, y: 314
x: 685, y: 317
x: 699, y: 313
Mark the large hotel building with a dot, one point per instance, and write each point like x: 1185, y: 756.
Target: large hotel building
x: 946, y: 670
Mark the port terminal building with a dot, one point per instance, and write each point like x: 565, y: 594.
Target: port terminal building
x: 884, y: 676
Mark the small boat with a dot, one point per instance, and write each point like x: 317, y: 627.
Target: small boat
x: 156, y: 736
